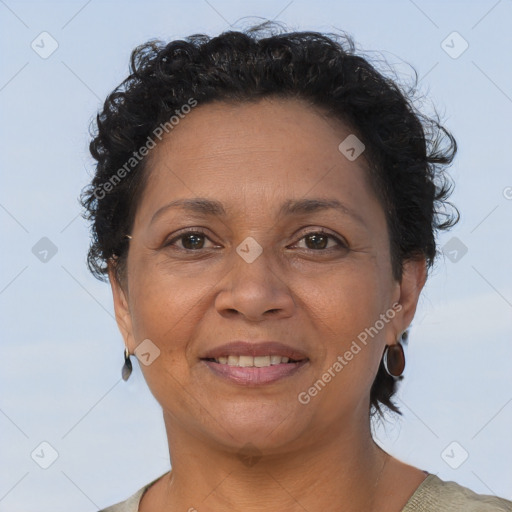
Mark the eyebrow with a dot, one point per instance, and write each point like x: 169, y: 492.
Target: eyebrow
x: 204, y: 206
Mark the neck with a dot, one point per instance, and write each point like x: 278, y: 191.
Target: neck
x: 344, y: 471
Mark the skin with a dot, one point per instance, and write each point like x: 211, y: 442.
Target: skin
x: 319, y: 456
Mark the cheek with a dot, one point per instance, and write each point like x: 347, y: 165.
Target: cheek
x: 164, y: 311
x: 347, y: 299
x: 344, y: 307
x: 164, y: 300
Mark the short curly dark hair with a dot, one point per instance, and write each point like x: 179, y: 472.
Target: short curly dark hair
x: 406, y: 151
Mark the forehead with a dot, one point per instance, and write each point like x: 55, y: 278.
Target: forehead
x: 253, y: 153
x: 267, y: 125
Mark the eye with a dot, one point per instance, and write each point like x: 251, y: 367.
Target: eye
x: 320, y: 240
x: 196, y: 239
x: 191, y: 240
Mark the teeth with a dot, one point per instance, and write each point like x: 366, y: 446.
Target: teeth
x: 249, y: 361
x: 261, y: 361
x: 245, y: 361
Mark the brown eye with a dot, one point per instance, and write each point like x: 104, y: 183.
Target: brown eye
x: 319, y: 241
x: 316, y: 241
x: 190, y: 241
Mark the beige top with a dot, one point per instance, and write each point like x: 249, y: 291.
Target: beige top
x: 432, y: 495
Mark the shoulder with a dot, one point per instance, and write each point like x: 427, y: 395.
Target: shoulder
x: 129, y: 505
x: 132, y: 503
x: 436, y: 495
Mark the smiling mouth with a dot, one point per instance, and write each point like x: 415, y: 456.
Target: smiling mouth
x: 255, y: 363
x: 246, y: 361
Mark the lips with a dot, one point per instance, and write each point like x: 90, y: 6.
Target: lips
x: 250, y: 361
x: 254, y: 363
x: 258, y: 350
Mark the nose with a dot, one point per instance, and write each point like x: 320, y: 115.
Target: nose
x: 257, y: 291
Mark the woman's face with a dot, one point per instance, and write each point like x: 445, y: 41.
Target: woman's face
x: 269, y: 264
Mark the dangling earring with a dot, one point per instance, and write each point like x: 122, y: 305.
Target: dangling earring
x: 394, y: 357
x: 127, y: 367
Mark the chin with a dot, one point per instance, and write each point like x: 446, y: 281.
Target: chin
x: 268, y: 428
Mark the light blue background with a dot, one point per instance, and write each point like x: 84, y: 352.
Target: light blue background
x: 61, y: 351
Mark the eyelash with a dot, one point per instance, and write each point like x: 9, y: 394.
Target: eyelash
x: 199, y: 231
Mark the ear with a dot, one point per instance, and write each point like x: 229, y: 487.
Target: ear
x: 414, y: 275
x: 121, y: 307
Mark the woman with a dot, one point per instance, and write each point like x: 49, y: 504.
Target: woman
x: 265, y: 207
